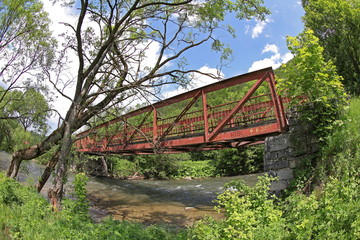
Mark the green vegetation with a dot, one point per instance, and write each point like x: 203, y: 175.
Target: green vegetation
x: 336, y: 24
x: 226, y: 162
x: 27, y: 215
x: 325, y: 203
x: 330, y: 211
x: 310, y: 75
x: 23, y: 116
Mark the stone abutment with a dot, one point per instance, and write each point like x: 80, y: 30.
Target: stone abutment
x: 289, y: 151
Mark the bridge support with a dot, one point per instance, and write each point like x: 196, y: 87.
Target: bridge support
x: 289, y: 151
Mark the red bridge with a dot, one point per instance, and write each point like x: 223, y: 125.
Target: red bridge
x: 230, y: 113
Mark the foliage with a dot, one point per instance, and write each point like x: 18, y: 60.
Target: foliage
x: 157, y: 166
x: 239, y: 161
x: 81, y: 205
x: 26, y: 45
x: 28, y: 107
x: 336, y: 24
x: 249, y: 214
x: 122, y: 167
x: 21, y: 112
x: 342, y: 152
x: 309, y: 75
x: 195, y: 169
x: 27, y: 215
x: 331, y: 211
x: 225, y: 162
x: 15, y: 137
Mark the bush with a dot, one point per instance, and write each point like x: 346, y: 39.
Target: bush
x: 195, y: 169
x: 331, y: 211
x: 160, y: 166
x: 249, y: 214
x: 27, y: 215
x: 239, y: 161
x: 121, y: 167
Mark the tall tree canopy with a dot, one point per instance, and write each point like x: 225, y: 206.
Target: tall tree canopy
x: 26, y: 45
x: 111, y: 41
x: 28, y: 107
x: 337, y: 25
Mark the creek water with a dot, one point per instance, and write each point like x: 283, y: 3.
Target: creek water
x: 175, y: 202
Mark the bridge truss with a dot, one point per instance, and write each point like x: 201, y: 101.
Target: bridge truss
x: 230, y: 113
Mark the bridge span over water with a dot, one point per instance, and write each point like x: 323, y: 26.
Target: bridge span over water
x: 230, y: 113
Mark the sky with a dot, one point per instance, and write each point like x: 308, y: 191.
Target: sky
x: 258, y: 44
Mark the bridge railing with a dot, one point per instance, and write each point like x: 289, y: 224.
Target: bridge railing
x: 199, y: 119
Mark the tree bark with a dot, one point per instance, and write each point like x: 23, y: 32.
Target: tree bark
x: 55, y: 194
x: 50, y: 166
x: 34, y: 151
x: 14, y: 167
x: 105, y: 167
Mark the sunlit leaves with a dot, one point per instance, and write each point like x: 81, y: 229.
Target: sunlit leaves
x: 308, y: 73
x: 337, y: 25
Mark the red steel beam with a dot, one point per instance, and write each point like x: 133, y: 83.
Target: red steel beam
x: 237, y: 108
x: 191, y: 94
x: 220, y: 135
x: 188, y: 106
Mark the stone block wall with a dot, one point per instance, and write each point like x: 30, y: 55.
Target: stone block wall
x: 290, y: 150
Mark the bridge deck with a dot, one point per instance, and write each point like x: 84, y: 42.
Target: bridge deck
x: 196, y: 122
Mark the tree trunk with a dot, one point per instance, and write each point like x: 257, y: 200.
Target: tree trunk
x: 14, y: 167
x: 50, y: 166
x: 33, y: 151
x: 105, y: 167
x: 55, y: 194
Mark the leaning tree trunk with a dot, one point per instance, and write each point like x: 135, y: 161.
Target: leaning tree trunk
x: 33, y: 151
x: 55, y: 194
x: 50, y: 166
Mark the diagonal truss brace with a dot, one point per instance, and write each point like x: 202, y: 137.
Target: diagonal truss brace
x: 237, y: 108
x: 137, y: 129
x: 178, y: 118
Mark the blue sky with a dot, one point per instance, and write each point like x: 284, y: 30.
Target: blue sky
x: 253, y: 37
x: 258, y: 45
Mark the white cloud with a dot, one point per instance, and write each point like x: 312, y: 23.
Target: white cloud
x: 287, y: 57
x: 200, y: 80
x: 274, y: 61
x: 259, y: 27
x: 60, y: 15
x: 270, y: 48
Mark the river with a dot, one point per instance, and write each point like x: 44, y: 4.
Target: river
x: 175, y: 202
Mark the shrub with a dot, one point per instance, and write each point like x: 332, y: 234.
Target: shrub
x: 195, y: 169
x: 157, y: 166
x: 239, y: 161
x: 249, y: 214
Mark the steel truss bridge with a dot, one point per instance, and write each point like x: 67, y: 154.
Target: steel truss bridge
x: 230, y: 113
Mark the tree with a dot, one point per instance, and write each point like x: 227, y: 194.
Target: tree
x: 29, y: 108
x: 337, y: 25
x: 26, y: 52
x: 26, y: 45
x: 20, y: 113
x: 309, y: 74
x: 112, y: 63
